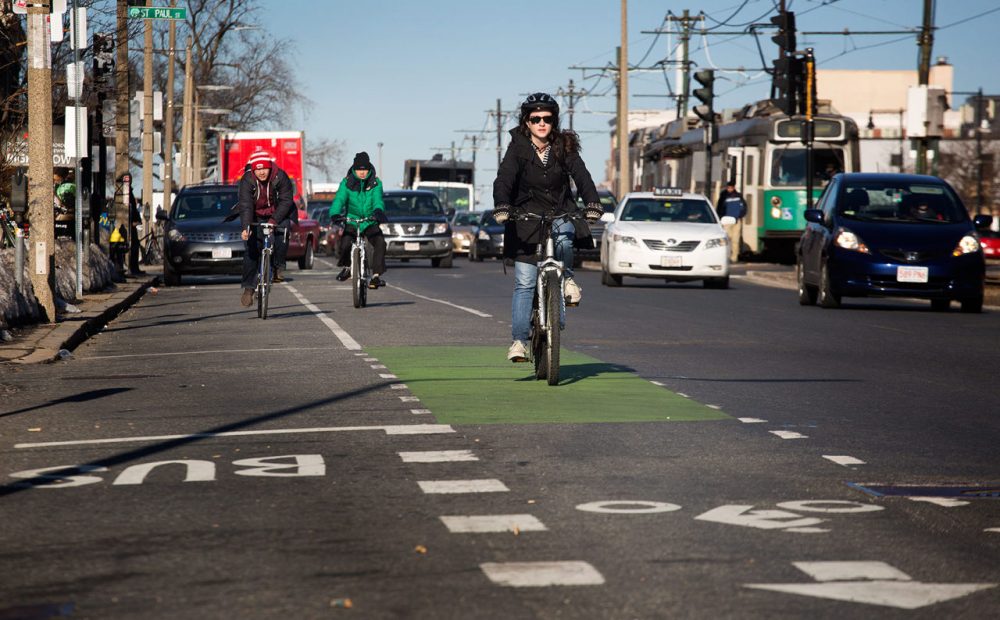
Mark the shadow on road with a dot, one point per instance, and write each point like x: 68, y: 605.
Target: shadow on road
x: 82, y: 397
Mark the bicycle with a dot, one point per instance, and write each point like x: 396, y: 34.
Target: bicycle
x: 149, y: 245
x: 9, y: 226
x: 549, y: 300
x: 361, y: 272
x: 264, y: 274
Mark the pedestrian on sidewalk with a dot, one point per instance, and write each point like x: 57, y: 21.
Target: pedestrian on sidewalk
x: 731, y: 203
x: 131, y: 232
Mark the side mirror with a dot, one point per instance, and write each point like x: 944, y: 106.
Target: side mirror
x: 727, y: 220
x: 813, y: 215
x: 161, y: 216
x: 608, y: 217
x: 982, y: 222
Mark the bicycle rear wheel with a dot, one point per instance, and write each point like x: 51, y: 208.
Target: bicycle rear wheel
x: 265, y: 287
x: 356, y: 283
x: 553, y: 305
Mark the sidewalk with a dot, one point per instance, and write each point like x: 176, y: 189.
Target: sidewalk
x: 42, y: 343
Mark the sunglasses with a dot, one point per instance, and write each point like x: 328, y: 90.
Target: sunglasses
x: 548, y: 120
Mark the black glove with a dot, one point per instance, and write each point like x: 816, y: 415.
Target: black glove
x: 501, y: 214
x: 593, y: 212
x: 338, y: 219
x: 380, y: 216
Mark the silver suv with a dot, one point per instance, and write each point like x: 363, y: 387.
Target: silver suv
x: 417, y: 227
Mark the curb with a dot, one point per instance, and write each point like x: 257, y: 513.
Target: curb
x: 71, y: 334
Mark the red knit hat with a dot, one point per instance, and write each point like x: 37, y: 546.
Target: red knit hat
x: 261, y: 159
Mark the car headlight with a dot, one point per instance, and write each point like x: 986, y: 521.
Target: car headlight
x: 624, y: 239
x: 386, y: 229
x: 849, y: 241
x: 176, y: 235
x: 440, y: 229
x: 968, y: 245
x: 485, y: 236
x: 719, y: 242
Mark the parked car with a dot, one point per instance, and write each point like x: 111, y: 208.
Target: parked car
x: 198, y: 240
x: 608, y: 202
x: 489, y: 238
x: 990, y: 239
x: 463, y: 225
x: 665, y: 234
x: 891, y: 235
x: 329, y: 233
x: 417, y: 227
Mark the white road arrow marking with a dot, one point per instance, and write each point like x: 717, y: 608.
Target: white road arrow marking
x: 761, y: 519
x: 879, y: 584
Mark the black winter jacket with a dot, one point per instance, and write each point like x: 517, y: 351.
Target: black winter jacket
x: 279, y: 189
x: 525, y: 184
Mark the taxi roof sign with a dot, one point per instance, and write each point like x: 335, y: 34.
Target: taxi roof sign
x: 668, y: 191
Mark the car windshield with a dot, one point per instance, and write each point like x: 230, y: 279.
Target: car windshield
x: 203, y: 206
x: 667, y: 210
x: 900, y: 201
x: 466, y: 218
x: 402, y: 205
x: 788, y: 166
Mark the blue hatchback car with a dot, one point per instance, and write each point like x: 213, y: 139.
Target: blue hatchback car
x: 891, y: 235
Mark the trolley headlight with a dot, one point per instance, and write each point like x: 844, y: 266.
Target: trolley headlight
x: 176, y: 235
x: 967, y: 245
x: 440, y: 229
x: 624, y: 239
x: 849, y: 241
x: 719, y: 242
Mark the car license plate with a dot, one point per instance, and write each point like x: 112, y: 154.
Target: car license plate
x: 222, y: 252
x: 411, y: 246
x: 671, y: 261
x: 911, y: 274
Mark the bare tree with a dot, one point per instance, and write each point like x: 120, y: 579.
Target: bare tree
x: 958, y: 165
x: 326, y: 157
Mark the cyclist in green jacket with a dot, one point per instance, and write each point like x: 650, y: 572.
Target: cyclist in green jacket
x: 360, y: 196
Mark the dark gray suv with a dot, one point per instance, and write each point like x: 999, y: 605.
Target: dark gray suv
x: 196, y: 239
x: 417, y: 227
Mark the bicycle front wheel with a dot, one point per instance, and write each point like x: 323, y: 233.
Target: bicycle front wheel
x: 553, y: 307
x: 265, y: 287
x: 538, y: 347
x: 356, y: 283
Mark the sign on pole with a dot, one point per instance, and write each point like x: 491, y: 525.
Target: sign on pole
x: 157, y: 12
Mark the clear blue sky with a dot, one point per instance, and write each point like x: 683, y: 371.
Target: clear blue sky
x: 411, y: 74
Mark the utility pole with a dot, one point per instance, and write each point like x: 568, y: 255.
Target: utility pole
x: 572, y: 95
x: 147, y: 120
x: 121, y: 105
x: 78, y: 42
x: 187, y: 115
x: 41, y: 256
x: 168, y: 123
x: 499, y: 114
x: 979, y: 150
x: 624, y: 171
x: 926, y: 43
x: 684, y: 66
x: 808, y: 127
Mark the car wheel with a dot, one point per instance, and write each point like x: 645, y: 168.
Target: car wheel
x: 828, y: 298
x: 940, y: 305
x: 446, y: 262
x: 610, y: 279
x: 973, y: 305
x: 306, y: 262
x: 807, y: 294
x: 170, y: 276
x: 716, y: 283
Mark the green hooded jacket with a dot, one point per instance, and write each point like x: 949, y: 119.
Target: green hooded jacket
x: 358, y: 199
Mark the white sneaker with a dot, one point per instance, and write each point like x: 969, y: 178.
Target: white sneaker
x: 573, y: 292
x: 517, y: 352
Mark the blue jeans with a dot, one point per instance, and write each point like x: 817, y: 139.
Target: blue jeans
x: 525, y: 276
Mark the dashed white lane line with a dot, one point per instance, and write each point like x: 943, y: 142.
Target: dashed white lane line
x: 371, y: 359
x: 716, y: 407
x: 682, y: 395
x: 542, y: 574
x: 751, y: 420
x: 944, y: 502
x: 409, y: 399
x: 446, y: 303
x: 387, y: 375
x: 992, y: 529
x: 488, y: 524
x: 378, y: 366
x: 398, y: 386
x: 843, y: 460
x: 397, y: 429
x: 789, y: 434
x: 420, y: 411
x: 349, y: 343
x: 488, y: 485
x: 656, y: 383
x: 438, y: 456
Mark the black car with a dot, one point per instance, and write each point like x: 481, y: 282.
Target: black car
x: 488, y: 238
x: 418, y: 227
x: 608, y: 202
x: 891, y: 235
x: 197, y: 240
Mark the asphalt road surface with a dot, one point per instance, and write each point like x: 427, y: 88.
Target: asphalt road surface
x: 708, y: 454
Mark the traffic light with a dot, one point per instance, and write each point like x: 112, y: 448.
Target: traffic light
x: 104, y: 57
x: 706, y: 95
x: 788, y: 83
x: 785, y: 38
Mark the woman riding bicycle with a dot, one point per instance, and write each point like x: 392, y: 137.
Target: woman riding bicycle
x: 534, y: 177
x: 360, y: 197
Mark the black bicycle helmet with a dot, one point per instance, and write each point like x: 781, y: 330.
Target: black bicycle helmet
x: 539, y: 101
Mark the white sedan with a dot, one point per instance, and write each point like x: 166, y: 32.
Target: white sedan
x: 670, y: 235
